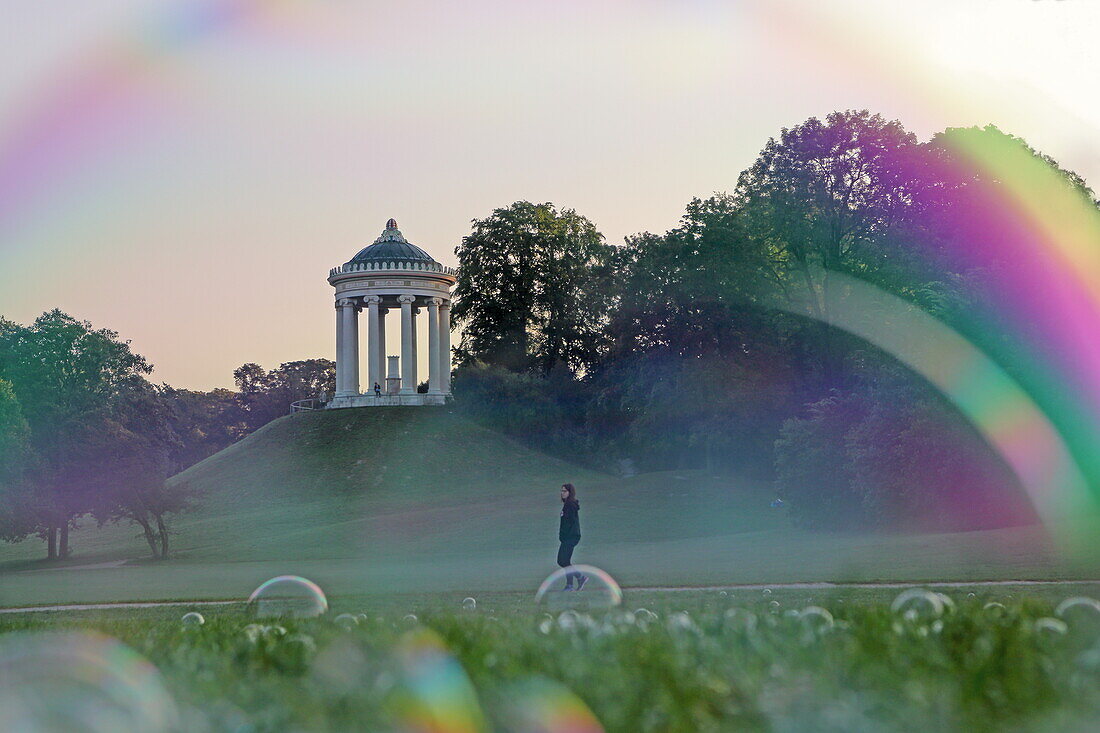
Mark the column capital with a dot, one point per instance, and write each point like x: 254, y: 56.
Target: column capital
x: 372, y: 300
x: 435, y: 301
x: 345, y: 303
x: 406, y: 299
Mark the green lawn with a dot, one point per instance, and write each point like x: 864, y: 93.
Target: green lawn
x: 703, y: 661
x: 418, y: 500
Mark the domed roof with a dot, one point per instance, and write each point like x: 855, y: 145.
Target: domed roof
x: 391, y: 246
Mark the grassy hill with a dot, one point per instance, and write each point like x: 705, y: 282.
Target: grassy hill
x: 417, y: 499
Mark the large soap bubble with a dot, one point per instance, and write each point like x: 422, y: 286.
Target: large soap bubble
x: 288, y: 596
x: 1080, y: 613
x: 579, y: 586
x: 79, y: 681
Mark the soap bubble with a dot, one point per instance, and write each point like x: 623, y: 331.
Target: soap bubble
x: 288, y: 596
x: 541, y: 706
x: 79, y: 681
x: 469, y: 604
x: 995, y: 610
x: 767, y: 591
x: 346, y: 621
x: 253, y: 632
x: 1080, y: 612
x: 433, y: 692
x: 948, y: 603
x: 816, y: 619
x: 274, y: 632
x: 918, y: 604
x: 192, y: 620
x: 410, y: 618
x: 598, y: 590
x: 1050, y: 628
x: 680, y: 621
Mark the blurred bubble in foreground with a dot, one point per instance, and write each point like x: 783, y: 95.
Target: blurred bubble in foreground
x: 79, y: 681
x: 288, y: 596
x: 192, y: 620
x: 579, y: 586
x: 1080, y: 613
x: 918, y: 604
x: 469, y: 604
x: 346, y: 621
x: 541, y: 706
x: 434, y: 693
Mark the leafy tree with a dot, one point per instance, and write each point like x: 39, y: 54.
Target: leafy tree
x: 695, y: 290
x: 65, y: 374
x: 531, y: 289
x: 544, y: 411
x: 138, y: 443
x: 14, y: 454
x: 825, y: 197
x: 203, y: 422
x: 266, y: 395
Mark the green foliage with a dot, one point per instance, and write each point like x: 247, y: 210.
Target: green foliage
x: 14, y: 456
x: 14, y: 437
x: 98, y: 431
x: 701, y: 663
x: 531, y: 289
x: 812, y: 466
x: 266, y: 395
x: 540, y: 410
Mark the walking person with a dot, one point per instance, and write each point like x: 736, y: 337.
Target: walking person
x: 569, y: 534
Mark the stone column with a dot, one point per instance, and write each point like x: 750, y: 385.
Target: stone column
x: 445, y: 346
x: 415, y: 364
x: 373, y: 375
x: 382, y: 373
x: 341, y: 366
x: 348, y: 348
x: 434, y: 385
x: 407, y: 359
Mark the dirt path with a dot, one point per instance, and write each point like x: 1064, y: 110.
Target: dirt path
x: 841, y: 586
x: 109, y: 606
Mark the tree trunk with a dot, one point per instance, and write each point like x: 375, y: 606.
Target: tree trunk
x: 63, y: 541
x: 51, y: 543
x: 163, y: 530
x: 150, y: 537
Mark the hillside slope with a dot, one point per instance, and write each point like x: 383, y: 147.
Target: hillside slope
x: 421, y: 499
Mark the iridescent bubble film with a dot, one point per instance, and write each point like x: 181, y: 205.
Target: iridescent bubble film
x: 79, y: 681
x: 288, y: 596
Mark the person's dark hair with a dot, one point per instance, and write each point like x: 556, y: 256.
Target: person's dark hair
x: 572, y: 492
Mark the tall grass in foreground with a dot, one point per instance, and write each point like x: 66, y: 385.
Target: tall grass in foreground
x: 699, y: 662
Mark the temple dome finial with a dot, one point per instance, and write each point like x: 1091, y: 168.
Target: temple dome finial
x: 391, y: 224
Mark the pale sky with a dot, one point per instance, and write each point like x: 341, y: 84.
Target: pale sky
x: 187, y: 173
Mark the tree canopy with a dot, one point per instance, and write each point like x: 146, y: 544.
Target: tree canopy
x: 531, y: 291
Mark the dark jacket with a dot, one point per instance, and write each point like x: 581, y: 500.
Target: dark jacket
x: 570, y: 529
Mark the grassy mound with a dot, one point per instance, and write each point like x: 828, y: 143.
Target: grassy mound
x: 421, y: 499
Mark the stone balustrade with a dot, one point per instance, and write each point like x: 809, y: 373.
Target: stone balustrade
x: 383, y: 266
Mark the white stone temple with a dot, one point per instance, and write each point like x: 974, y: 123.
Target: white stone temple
x: 392, y: 274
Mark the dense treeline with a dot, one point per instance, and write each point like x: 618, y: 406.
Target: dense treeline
x: 84, y: 436
x: 705, y: 346
x: 708, y: 345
